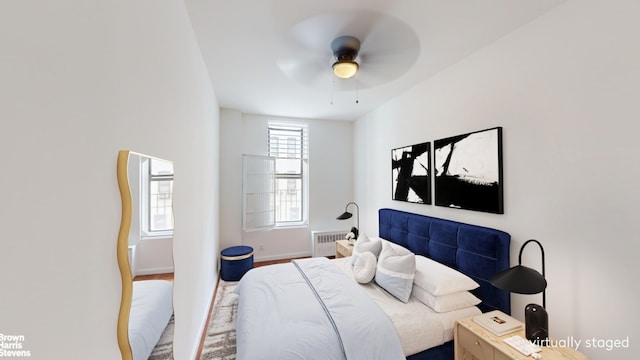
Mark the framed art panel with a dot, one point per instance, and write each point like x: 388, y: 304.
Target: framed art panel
x: 468, y: 171
x: 410, y: 169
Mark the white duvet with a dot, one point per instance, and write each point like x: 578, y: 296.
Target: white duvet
x: 309, y: 309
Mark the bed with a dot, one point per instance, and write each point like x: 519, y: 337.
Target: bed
x: 313, y: 308
x: 151, y: 310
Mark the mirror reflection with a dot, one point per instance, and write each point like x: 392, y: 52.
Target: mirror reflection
x: 145, y: 257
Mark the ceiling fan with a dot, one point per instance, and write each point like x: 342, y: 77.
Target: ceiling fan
x: 370, y: 47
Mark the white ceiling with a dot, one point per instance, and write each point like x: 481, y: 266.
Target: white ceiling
x: 247, y: 43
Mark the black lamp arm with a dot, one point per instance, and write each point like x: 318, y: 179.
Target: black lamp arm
x: 544, y: 297
x: 357, y: 213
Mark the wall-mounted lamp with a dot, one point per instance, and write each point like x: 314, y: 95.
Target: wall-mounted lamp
x: 524, y: 280
x: 347, y: 215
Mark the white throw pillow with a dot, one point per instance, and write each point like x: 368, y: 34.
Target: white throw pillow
x: 365, y: 268
x: 445, y: 303
x: 439, y: 279
x: 396, y: 270
x: 364, y: 244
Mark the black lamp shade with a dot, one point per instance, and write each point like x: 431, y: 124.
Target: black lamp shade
x: 520, y: 279
x: 347, y: 215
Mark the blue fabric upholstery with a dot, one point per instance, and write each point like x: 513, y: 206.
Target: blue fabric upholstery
x: 476, y: 251
x: 235, y: 261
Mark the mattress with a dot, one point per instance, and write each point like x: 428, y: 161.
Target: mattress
x: 418, y: 326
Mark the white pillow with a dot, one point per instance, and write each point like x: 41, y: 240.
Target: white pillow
x: 396, y: 270
x: 439, y: 279
x: 364, y: 244
x: 445, y: 303
x: 365, y: 268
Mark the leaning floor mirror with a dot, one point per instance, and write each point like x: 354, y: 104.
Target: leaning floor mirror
x: 146, y: 308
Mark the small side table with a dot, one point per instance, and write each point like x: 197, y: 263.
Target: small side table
x: 343, y: 248
x: 235, y: 261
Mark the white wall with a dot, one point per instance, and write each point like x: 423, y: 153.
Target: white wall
x: 80, y: 80
x: 565, y: 89
x: 154, y: 256
x: 330, y: 182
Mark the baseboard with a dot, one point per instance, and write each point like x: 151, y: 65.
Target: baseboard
x: 204, y: 323
x: 153, y: 271
x: 282, y: 256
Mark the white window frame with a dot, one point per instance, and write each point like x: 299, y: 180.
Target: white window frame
x: 260, y: 184
x: 145, y: 200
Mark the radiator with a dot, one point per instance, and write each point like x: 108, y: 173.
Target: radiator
x: 323, y: 243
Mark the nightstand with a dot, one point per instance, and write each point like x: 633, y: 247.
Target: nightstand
x: 473, y: 342
x: 343, y: 248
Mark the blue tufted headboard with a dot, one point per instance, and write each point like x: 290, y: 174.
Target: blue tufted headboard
x: 474, y: 250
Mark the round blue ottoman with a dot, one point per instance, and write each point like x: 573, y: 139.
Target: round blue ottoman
x: 235, y: 262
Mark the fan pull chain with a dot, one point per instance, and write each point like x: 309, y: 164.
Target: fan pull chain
x: 357, y: 91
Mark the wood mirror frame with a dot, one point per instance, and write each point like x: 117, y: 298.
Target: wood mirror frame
x: 123, y: 255
x: 124, y: 157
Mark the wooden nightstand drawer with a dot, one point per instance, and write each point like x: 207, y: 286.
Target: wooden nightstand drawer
x: 474, y: 344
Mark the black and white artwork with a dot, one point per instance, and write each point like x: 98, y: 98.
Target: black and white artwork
x: 410, y: 168
x: 468, y: 171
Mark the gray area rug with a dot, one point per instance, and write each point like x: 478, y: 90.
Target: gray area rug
x: 220, y: 342
x: 164, y: 347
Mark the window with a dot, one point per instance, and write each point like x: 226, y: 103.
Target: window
x: 288, y: 146
x: 157, y: 197
x: 275, y: 186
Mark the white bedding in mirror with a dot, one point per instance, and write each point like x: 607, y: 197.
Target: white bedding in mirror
x: 151, y: 310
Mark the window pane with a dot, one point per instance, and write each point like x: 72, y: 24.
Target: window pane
x: 159, y: 167
x: 161, y: 207
x: 286, y: 146
x: 288, y: 200
x: 288, y: 166
x: 287, y: 143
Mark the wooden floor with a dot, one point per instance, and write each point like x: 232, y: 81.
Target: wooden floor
x: 271, y: 262
x: 167, y: 276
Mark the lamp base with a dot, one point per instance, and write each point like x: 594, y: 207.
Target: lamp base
x: 536, y: 325
x: 354, y: 230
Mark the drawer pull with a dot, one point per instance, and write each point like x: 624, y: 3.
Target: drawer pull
x: 477, y: 343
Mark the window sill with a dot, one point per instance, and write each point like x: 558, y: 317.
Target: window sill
x: 291, y: 226
x: 157, y: 236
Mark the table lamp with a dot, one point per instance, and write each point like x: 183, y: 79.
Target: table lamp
x: 524, y: 280
x: 347, y: 215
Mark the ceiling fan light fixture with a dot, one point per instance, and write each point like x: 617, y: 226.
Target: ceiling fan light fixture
x: 345, y: 69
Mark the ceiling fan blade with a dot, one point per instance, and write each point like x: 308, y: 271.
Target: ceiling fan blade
x: 380, y: 67
x: 387, y: 54
x: 389, y: 47
x: 304, y: 54
x: 304, y: 71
